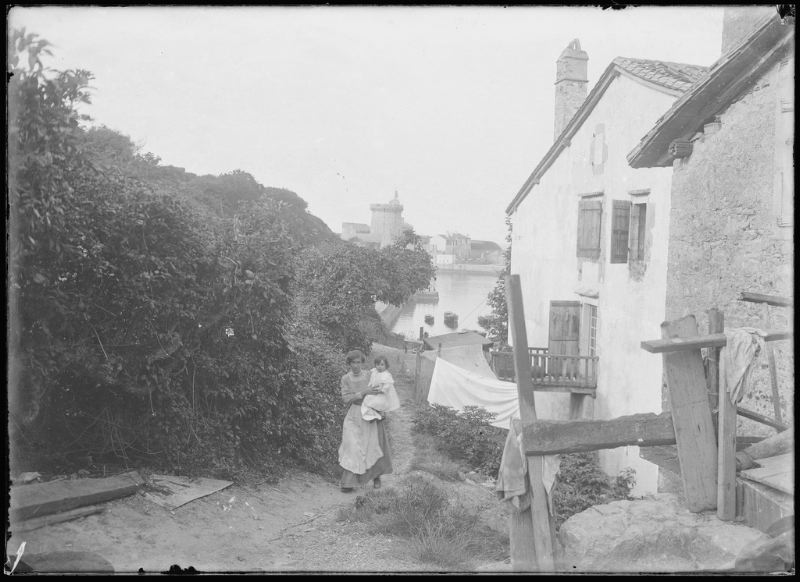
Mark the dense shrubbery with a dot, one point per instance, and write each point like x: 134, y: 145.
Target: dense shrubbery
x: 464, y: 436
x: 581, y: 484
x: 195, y: 322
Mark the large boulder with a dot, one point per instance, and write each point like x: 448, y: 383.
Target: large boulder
x: 654, y: 534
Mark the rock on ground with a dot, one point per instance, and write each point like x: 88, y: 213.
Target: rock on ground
x: 655, y: 534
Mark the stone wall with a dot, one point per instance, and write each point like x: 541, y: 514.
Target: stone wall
x: 725, y: 237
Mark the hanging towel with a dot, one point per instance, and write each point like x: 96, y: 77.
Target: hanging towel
x: 744, y: 344
x: 512, y: 477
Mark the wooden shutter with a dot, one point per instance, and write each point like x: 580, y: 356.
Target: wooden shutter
x: 637, y: 236
x: 620, y: 223
x: 590, y: 213
x: 564, y: 335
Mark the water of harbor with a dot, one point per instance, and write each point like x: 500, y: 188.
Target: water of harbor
x: 464, y: 294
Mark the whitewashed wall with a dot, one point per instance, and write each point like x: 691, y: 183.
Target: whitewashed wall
x: 544, y: 243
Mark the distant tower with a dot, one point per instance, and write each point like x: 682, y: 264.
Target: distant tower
x: 387, y: 221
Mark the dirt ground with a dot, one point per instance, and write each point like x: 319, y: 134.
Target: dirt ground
x: 288, y: 527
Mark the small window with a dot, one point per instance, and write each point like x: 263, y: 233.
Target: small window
x: 620, y: 225
x: 590, y: 213
x: 637, y: 236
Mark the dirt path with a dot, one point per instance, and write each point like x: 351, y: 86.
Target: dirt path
x: 291, y: 526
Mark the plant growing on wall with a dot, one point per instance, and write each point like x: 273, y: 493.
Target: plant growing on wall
x: 496, y: 323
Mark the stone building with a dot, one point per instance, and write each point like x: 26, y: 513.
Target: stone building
x: 384, y: 229
x: 589, y: 242
x: 729, y: 142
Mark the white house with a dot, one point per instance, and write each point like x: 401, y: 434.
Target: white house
x: 589, y: 241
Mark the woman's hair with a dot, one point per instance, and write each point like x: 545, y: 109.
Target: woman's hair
x: 383, y: 359
x: 355, y: 355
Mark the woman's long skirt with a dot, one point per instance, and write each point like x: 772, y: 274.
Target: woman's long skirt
x: 382, y: 466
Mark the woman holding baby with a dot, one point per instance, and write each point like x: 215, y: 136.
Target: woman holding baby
x: 364, y: 452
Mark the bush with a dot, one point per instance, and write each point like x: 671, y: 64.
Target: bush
x: 442, y: 532
x: 464, y: 436
x: 581, y: 483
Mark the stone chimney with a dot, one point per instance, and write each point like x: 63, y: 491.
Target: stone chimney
x: 571, y: 84
x: 738, y: 22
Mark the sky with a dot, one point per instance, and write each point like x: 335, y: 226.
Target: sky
x: 451, y: 107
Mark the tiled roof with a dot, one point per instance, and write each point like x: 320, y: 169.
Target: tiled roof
x: 487, y: 245
x: 725, y: 81
x: 676, y: 76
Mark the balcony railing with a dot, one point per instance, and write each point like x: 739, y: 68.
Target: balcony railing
x: 549, y: 371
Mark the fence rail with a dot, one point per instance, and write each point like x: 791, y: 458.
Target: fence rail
x: 549, y: 369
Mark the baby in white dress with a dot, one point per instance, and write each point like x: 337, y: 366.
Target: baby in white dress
x: 387, y: 400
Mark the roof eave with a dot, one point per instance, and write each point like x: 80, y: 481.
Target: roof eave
x: 728, y: 77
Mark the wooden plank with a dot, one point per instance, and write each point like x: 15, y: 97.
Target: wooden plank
x: 761, y: 506
x: 716, y: 340
x: 773, y: 371
x: 768, y: 299
x: 716, y: 324
x: 532, y: 554
x: 780, y: 478
x: 39, y: 499
x: 691, y: 417
x: 777, y: 444
x: 552, y: 437
x: 45, y: 520
x: 726, y: 443
x: 761, y: 418
x: 179, y: 491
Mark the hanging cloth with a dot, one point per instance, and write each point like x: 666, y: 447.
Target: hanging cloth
x: 744, y: 345
x: 512, y: 477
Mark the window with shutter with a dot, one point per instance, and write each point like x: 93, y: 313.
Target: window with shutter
x: 637, y: 235
x: 620, y: 223
x: 590, y: 213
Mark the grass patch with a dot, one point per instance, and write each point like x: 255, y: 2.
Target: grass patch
x: 428, y: 458
x: 442, y: 532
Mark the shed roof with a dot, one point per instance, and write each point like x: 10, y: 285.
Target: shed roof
x: 726, y: 80
x: 460, y: 338
x: 663, y: 76
x: 484, y: 245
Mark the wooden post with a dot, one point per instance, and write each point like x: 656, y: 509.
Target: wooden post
x: 773, y: 372
x: 691, y: 416
x: 716, y: 324
x: 531, y: 547
x: 726, y: 429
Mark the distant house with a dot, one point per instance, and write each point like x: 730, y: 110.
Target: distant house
x: 457, y: 244
x: 485, y: 251
x: 354, y: 230
x: 729, y: 144
x: 589, y: 241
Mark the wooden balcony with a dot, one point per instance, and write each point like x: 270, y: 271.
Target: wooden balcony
x: 551, y: 373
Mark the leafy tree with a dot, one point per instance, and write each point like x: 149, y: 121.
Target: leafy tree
x: 497, y: 322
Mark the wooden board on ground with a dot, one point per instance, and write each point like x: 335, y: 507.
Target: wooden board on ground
x: 38, y: 499
x: 776, y: 472
x: 179, y: 491
x: 53, y: 518
x: 691, y: 417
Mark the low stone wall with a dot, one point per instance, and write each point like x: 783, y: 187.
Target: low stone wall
x: 388, y: 314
